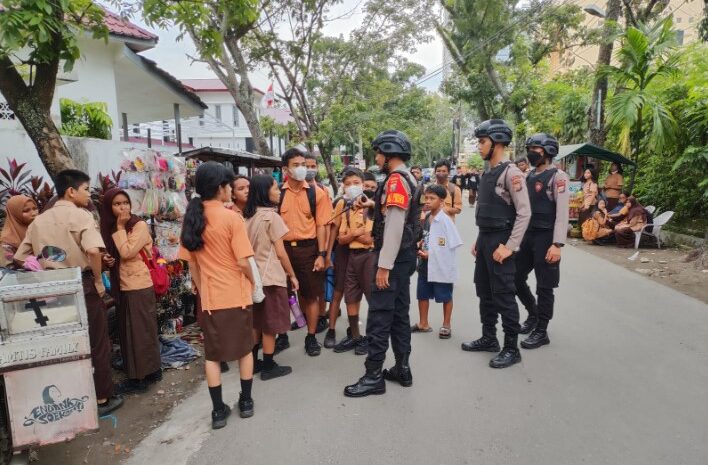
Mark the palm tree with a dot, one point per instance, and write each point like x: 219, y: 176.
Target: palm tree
x: 646, y: 52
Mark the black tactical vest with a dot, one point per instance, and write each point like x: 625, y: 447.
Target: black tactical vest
x: 543, y: 209
x: 412, y: 231
x: 492, y: 212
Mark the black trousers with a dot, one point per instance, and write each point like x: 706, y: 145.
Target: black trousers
x: 389, y: 313
x: 495, y: 287
x: 532, y: 256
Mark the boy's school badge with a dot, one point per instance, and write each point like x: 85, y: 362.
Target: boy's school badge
x: 441, y: 241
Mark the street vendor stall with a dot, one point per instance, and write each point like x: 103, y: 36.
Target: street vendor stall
x: 574, y: 159
x: 235, y: 159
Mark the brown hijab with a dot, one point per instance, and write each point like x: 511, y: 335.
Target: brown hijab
x: 15, y: 228
x: 635, y: 209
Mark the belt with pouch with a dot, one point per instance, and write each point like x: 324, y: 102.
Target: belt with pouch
x: 301, y: 243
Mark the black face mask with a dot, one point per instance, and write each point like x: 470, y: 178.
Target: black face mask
x: 369, y: 194
x: 534, y: 158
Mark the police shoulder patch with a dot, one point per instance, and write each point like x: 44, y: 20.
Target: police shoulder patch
x: 517, y: 182
x: 396, y: 193
x: 560, y: 185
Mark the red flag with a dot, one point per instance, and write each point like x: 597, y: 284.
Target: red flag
x: 269, y: 97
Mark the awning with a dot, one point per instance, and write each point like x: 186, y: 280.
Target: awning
x: 235, y: 157
x: 591, y: 150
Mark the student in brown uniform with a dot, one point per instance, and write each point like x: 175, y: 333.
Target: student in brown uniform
x: 453, y: 201
x: 129, y: 243
x: 613, y: 185
x: 66, y: 236
x: 355, y: 233
x: 216, y: 246
x: 20, y: 211
x: 306, y: 212
x: 590, y: 194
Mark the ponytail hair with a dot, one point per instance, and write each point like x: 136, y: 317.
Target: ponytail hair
x: 209, y: 178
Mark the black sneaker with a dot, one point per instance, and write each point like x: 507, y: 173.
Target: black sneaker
x: 345, y: 345
x: 330, y: 339
x: 275, y: 372
x: 294, y: 326
x: 322, y: 324
x: 483, y: 344
x: 528, y: 325
x: 154, y: 377
x: 257, y: 366
x: 113, y: 403
x: 282, y: 342
x: 362, y: 346
x: 536, y: 339
x: 218, y: 417
x: 245, y: 407
x: 132, y: 386
x: 224, y: 367
x: 312, y: 347
x: 506, y: 358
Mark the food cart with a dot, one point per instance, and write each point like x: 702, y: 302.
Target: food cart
x: 47, y: 391
x: 574, y: 159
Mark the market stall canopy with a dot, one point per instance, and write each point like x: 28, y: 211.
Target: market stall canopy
x: 591, y: 150
x: 235, y: 157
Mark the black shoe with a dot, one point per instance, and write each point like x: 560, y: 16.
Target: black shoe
x: 224, y: 367
x: 282, y: 342
x: 275, y: 372
x: 371, y: 383
x: 400, y: 372
x: 483, y: 344
x: 362, y: 346
x: 245, y: 407
x: 257, y: 366
x: 154, y: 377
x: 506, y: 358
x: 528, y: 325
x: 330, y: 339
x: 312, y: 347
x: 322, y: 324
x: 132, y: 386
x: 113, y: 403
x: 294, y: 326
x: 218, y: 417
x: 345, y: 345
x: 538, y: 338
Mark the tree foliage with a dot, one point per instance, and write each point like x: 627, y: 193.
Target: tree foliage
x: 85, y: 119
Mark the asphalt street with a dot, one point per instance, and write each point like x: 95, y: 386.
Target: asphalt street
x: 624, y: 381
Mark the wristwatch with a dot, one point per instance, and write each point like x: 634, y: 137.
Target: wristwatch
x: 558, y: 244
x: 322, y: 253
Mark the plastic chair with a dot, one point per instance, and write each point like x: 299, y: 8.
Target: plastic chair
x: 651, y: 209
x: 659, y: 221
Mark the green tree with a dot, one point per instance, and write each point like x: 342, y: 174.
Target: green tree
x: 36, y: 36
x: 645, y: 54
x: 85, y: 119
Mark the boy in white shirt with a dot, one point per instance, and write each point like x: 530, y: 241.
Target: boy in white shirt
x: 437, y: 266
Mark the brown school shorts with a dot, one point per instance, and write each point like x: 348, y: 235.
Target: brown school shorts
x: 341, y: 257
x: 303, y: 261
x: 360, y: 275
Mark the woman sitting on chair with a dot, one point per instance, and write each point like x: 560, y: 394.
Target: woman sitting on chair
x: 634, y: 222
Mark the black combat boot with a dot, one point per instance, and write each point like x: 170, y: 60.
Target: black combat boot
x: 538, y: 338
x: 528, y: 325
x: 509, y: 355
x: 483, y: 344
x: 401, y: 371
x: 371, y: 383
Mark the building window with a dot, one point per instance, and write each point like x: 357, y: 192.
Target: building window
x: 691, y: 19
x: 679, y: 19
x: 679, y: 37
x: 237, y: 123
x: 217, y: 110
x: 201, y: 121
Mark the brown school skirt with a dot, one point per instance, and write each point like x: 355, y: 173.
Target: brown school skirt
x: 272, y: 316
x: 228, y: 333
x: 360, y: 275
x: 137, y: 330
x: 303, y: 261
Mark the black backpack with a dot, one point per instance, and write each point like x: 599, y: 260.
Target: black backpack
x: 311, y: 198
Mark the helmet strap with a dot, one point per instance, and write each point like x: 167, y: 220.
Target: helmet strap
x: 489, y: 154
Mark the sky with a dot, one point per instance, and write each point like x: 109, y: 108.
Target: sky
x: 171, y: 55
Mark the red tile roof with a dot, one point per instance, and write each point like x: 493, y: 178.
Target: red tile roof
x: 208, y: 85
x: 124, y: 28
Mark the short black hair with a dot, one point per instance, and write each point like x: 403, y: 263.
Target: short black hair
x: 522, y: 160
x: 70, y: 178
x: 349, y: 172
x: 442, y: 163
x: 437, y: 189
x: 369, y: 176
x: 292, y: 153
x: 310, y: 156
x: 416, y: 167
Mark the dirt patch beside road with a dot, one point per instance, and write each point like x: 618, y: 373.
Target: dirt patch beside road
x: 665, y: 266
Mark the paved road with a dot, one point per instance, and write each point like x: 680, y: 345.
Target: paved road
x: 624, y: 381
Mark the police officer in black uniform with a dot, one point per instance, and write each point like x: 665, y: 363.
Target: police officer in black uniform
x: 396, y: 232
x: 541, y: 247
x: 502, y: 215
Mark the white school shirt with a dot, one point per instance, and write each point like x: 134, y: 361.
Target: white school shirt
x: 443, y: 242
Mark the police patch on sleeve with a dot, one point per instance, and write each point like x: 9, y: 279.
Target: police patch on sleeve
x: 516, y: 182
x: 396, y: 193
x: 560, y: 185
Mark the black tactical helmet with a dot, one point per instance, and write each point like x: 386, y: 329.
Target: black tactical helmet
x: 495, y: 129
x: 393, y: 143
x: 546, y: 141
